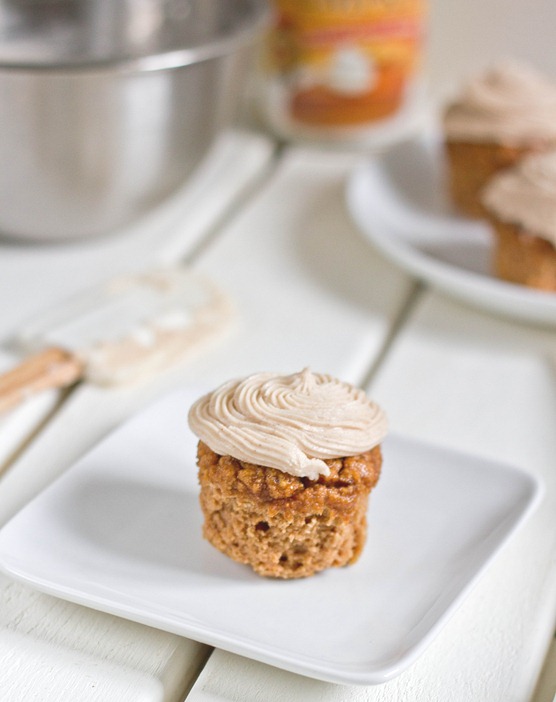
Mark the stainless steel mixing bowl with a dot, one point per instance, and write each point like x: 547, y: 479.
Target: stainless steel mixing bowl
x: 107, y: 106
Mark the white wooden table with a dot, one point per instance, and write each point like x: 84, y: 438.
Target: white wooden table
x: 272, y: 228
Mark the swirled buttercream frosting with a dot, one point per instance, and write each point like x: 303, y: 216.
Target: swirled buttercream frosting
x: 509, y: 103
x: 526, y: 195
x: 292, y: 422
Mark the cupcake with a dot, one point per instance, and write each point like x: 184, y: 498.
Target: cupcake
x: 521, y: 205
x: 286, y: 465
x: 501, y: 116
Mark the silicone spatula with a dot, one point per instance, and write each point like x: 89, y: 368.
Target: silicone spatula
x: 128, y: 328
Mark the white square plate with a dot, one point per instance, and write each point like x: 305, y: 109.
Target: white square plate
x: 121, y: 532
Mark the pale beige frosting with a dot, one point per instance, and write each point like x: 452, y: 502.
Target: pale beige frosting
x: 526, y: 195
x: 509, y: 103
x: 292, y: 423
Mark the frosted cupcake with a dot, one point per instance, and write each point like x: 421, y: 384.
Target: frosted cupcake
x: 286, y: 465
x: 521, y: 203
x: 502, y: 115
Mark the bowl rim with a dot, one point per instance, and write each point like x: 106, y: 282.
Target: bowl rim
x: 164, y: 60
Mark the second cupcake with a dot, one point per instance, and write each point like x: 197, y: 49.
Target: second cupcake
x: 501, y: 115
x: 521, y: 204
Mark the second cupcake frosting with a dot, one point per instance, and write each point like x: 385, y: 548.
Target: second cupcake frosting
x: 509, y: 103
x: 526, y: 195
x: 292, y: 423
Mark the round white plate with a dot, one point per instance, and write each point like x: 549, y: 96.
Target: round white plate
x: 399, y: 202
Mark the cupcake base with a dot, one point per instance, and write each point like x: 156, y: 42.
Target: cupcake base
x: 524, y: 258
x: 472, y: 164
x: 283, y: 526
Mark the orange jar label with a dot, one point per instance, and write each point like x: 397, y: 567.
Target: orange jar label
x: 345, y: 62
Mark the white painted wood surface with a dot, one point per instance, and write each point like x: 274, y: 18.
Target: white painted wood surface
x: 52, y: 650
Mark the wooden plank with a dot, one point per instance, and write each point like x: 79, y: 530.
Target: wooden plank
x: 53, y: 651
x: 309, y: 289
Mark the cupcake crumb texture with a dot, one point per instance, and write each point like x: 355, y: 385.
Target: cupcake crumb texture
x: 285, y: 526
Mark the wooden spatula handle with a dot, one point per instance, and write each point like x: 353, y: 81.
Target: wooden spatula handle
x: 51, y: 368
